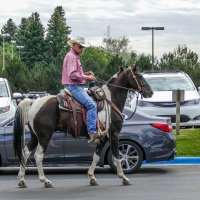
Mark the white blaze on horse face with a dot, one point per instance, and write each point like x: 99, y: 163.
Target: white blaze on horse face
x: 36, y: 106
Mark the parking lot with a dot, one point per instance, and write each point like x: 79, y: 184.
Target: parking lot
x: 161, y: 182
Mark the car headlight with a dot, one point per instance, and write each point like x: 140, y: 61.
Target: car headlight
x: 145, y: 104
x: 4, y: 109
x: 192, y: 102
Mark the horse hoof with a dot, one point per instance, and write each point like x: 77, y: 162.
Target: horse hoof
x: 126, y: 182
x: 22, y: 184
x: 93, y: 182
x: 48, y: 185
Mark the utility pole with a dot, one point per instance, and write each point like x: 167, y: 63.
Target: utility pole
x: 4, y: 35
x: 152, y: 28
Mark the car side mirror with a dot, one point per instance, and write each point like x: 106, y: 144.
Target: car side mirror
x: 17, y: 95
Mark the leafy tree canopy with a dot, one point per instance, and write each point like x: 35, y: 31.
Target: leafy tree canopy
x: 10, y: 28
x: 34, y: 45
x: 182, y: 58
x: 117, y: 46
x: 57, y: 33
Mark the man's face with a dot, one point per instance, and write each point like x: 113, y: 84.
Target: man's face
x: 77, y: 48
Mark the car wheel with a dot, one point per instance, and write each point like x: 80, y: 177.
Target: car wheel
x: 131, y: 156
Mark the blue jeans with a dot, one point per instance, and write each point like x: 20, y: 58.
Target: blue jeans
x: 87, y: 102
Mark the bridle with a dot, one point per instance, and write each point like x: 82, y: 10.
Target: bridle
x: 138, y: 83
x: 139, y: 86
x: 136, y: 80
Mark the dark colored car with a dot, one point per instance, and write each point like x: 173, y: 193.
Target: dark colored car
x: 35, y: 95
x: 143, y: 137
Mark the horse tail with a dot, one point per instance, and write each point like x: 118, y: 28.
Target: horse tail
x: 20, y: 120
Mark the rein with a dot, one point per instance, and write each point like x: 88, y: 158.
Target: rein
x: 134, y: 77
x: 106, y: 82
x: 125, y: 88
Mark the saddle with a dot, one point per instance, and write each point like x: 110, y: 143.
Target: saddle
x: 68, y: 103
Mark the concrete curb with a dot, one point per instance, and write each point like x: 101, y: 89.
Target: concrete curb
x: 179, y: 161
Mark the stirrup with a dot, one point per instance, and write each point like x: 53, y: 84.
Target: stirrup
x: 94, y: 136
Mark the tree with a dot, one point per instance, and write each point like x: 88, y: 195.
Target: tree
x: 131, y: 58
x: 57, y: 34
x: 10, y: 28
x: 195, y: 74
x: 144, y: 62
x: 33, y: 38
x: 20, y: 36
x: 113, y: 66
x: 117, y: 46
x: 45, y: 78
x: 181, y: 58
x: 17, y: 74
x: 96, y: 59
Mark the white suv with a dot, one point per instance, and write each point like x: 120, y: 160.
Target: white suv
x: 161, y: 104
x: 7, y: 103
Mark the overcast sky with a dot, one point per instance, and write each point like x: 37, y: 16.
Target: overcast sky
x: 181, y: 19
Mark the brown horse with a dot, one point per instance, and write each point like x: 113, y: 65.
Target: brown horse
x: 44, y: 118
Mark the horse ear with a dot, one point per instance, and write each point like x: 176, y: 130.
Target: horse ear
x: 134, y: 67
x: 121, y: 69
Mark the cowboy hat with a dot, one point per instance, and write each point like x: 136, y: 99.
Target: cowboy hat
x: 77, y: 40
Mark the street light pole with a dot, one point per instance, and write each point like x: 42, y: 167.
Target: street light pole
x: 13, y: 42
x: 20, y: 47
x: 152, y: 28
x: 4, y: 35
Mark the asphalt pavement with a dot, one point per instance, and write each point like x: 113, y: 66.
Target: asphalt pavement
x: 152, y: 182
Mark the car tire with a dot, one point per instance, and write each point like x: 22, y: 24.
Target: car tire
x: 131, y: 155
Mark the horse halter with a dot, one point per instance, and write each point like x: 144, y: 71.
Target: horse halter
x: 136, y: 80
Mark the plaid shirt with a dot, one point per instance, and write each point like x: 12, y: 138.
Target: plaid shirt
x: 72, y: 71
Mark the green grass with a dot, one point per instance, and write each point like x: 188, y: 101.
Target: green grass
x: 188, y: 142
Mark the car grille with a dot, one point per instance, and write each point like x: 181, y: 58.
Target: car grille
x: 167, y: 104
x: 183, y: 118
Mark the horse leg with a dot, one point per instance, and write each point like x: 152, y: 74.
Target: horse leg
x: 39, y: 155
x: 95, y: 160
x: 114, y: 143
x: 26, y: 153
x: 21, y: 173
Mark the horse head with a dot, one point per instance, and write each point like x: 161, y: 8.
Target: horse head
x: 137, y: 82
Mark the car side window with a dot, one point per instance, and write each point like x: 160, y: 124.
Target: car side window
x: 3, y: 89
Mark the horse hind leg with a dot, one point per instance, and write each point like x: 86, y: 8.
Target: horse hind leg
x: 26, y: 153
x: 21, y: 173
x: 39, y: 155
x: 96, y: 157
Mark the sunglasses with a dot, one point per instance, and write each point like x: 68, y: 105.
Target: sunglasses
x: 80, y: 46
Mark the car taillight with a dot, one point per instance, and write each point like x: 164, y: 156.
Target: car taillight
x: 162, y: 126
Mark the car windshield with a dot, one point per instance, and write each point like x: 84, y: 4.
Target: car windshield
x: 169, y: 83
x: 3, y: 89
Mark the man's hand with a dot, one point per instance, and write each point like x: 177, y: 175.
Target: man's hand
x: 89, y: 73
x: 91, y: 78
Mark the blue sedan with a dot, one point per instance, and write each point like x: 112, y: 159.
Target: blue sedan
x: 143, y: 138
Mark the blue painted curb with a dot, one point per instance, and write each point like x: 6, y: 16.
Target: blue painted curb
x: 178, y: 160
